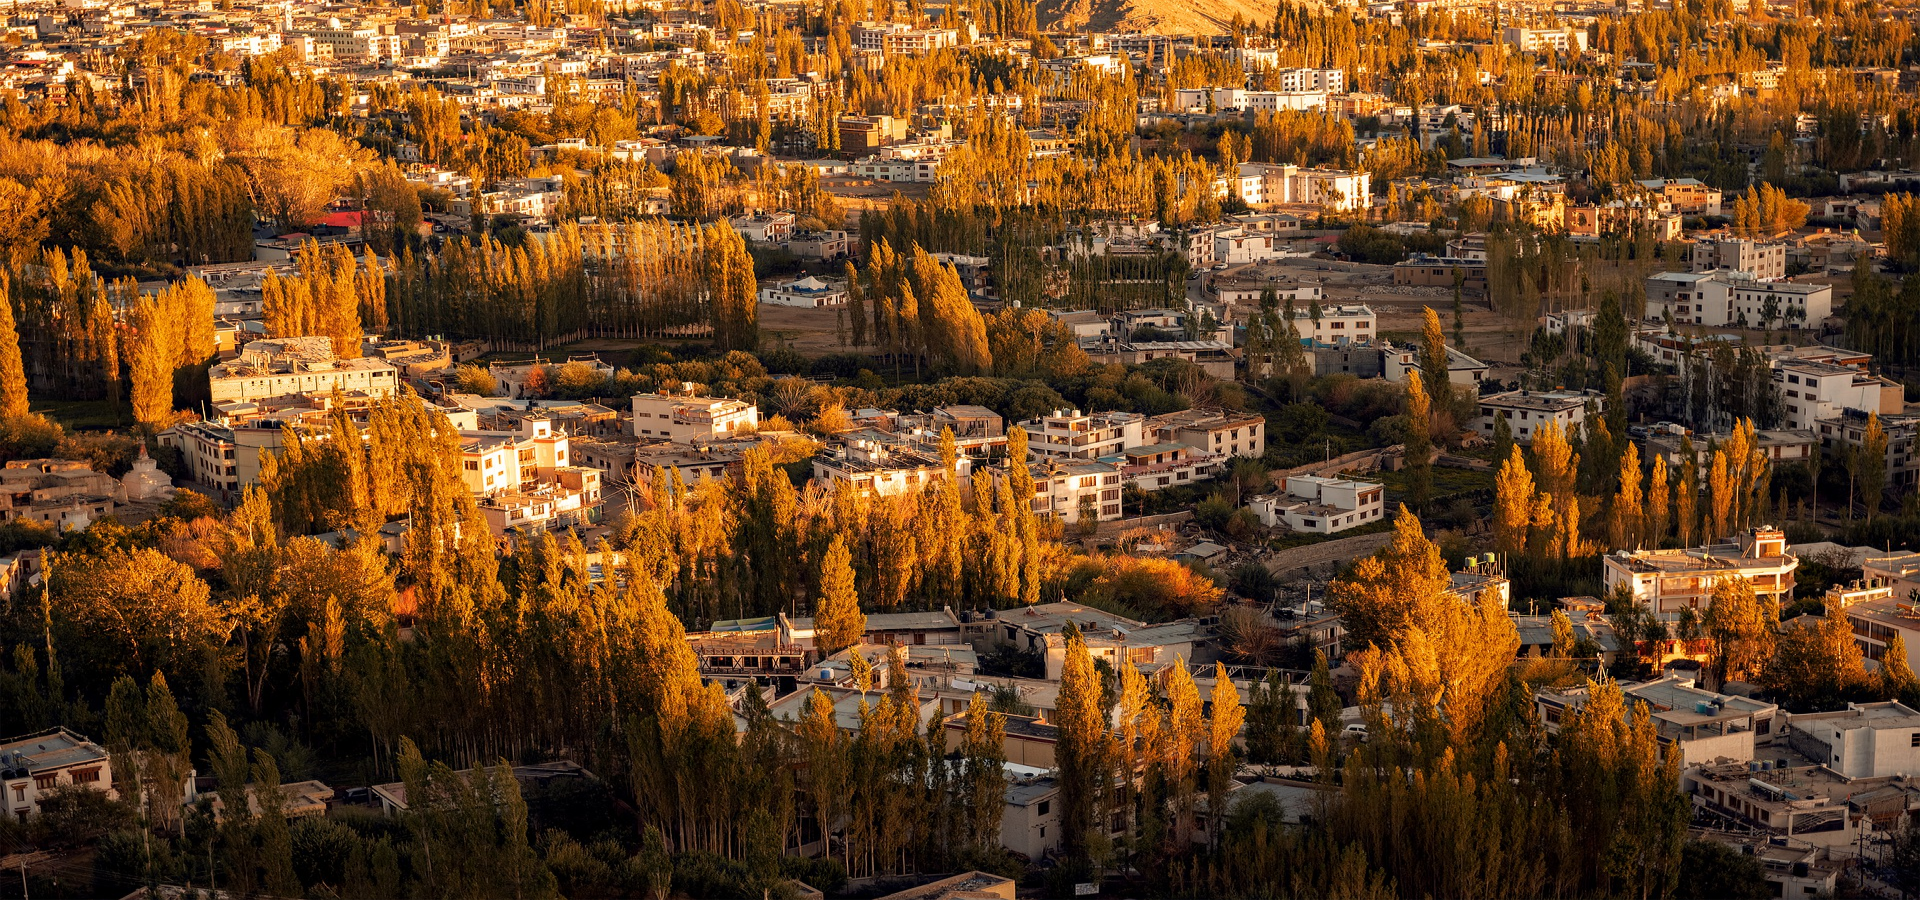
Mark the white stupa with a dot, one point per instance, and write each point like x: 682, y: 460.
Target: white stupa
x: 146, y: 481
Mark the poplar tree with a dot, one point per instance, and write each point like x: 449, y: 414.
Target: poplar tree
x: 1513, y: 504
x: 1433, y: 355
x: 1686, y: 515
x: 1080, y: 718
x: 1625, y: 524
x: 1419, y: 441
x: 13, y: 373
x: 838, y: 622
x: 1223, y: 725
x: 1720, y: 491
x: 1658, y: 492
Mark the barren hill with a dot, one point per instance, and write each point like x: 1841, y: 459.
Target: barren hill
x: 1154, y: 16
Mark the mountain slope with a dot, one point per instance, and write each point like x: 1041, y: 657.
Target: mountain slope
x: 1152, y: 16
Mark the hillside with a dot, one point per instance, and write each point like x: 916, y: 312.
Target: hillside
x: 1155, y: 16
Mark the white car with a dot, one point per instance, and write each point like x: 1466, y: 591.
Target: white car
x: 1218, y: 266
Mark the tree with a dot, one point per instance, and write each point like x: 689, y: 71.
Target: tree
x: 1516, y: 507
x: 1080, y: 718
x: 837, y: 620
x: 1896, y: 678
x: 1419, y: 441
x: 1433, y: 356
x: 1815, y: 667
x: 732, y: 293
x: 13, y: 373
x: 1386, y: 593
x: 1658, y: 490
x: 1222, y: 727
x: 1867, y: 465
x: 1741, y: 627
x: 1625, y: 525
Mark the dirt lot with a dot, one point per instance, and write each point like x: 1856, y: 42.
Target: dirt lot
x: 812, y: 332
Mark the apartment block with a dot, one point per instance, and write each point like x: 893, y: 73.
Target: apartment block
x: 283, y: 367
x: 1526, y: 411
x: 689, y: 419
x: 1762, y: 261
x: 1317, y: 505
x: 1664, y: 582
x: 1071, y: 434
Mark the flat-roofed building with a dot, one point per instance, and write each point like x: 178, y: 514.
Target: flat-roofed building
x: 1703, y: 725
x: 883, y: 468
x: 1072, y: 434
x: 1318, y: 505
x: 1526, y: 411
x: 687, y: 419
x: 1219, y: 432
x: 284, y: 367
x: 1664, y: 582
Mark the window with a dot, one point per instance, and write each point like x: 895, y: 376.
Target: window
x: 1046, y: 806
x: 86, y: 776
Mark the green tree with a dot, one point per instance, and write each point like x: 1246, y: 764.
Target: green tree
x: 838, y: 622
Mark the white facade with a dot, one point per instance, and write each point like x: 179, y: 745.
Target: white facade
x: 1527, y: 411
x: 1664, y: 582
x: 1337, y: 324
x: 1321, y: 505
x: 1723, y: 298
x: 808, y: 292
x: 284, y: 367
x: 1866, y: 740
x: 1816, y: 390
x: 1071, y: 434
x: 689, y: 419
x: 1062, y: 489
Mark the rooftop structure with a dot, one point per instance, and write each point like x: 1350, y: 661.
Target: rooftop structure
x: 270, y: 369
x: 1665, y: 582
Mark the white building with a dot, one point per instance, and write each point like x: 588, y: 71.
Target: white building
x: 1336, y: 324
x: 689, y: 419
x: 1559, y: 40
x: 1320, y: 505
x: 1723, y: 298
x: 283, y: 367
x: 1763, y: 261
x: 808, y: 292
x: 1865, y: 740
x: 1064, y: 489
x: 32, y: 766
x: 1526, y: 411
x: 1462, y: 369
x: 883, y: 469
x: 1817, y: 390
x: 1665, y: 582
x: 1071, y: 434
x: 1268, y: 183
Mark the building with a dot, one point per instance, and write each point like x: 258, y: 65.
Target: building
x: 808, y: 292
x: 1781, y: 447
x: 1215, y: 431
x: 1693, y: 197
x: 1071, y: 434
x: 1665, y: 582
x: 1703, y: 725
x: 1462, y: 370
x: 898, y: 38
x: 1156, y: 467
x: 1724, y: 298
x: 1813, y: 391
x: 1335, y: 325
x: 765, y: 227
x: 1071, y: 489
x: 859, y: 134
x: 286, y: 367
x: 1535, y: 40
x: 1806, y: 804
x: 883, y: 468
x: 1898, y: 572
x: 1441, y: 271
x: 1865, y: 740
x: 1262, y: 184
x: 689, y: 419
x: 1759, y: 260
x: 33, y: 766
x: 1041, y: 629
x: 1526, y: 411
x: 1849, y: 428
x: 523, y: 380
x: 1318, y: 505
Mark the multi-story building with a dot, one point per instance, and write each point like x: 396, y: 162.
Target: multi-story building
x: 1336, y: 325
x: 1318, y: 505
x: 1865, y: 740
x: 1762, y: 261
x: 1664, y: 582
x: 883, y: 468
x: 1813, y: 391
x: 1220, y: 432
x: 1526, y: 411
x: 863, y: 133
x: 1155, y: 467
x: 1703, y: 725
x: 1690, y: 196
x: 1847, y: 430
x: 900, y: 39
x: 1268, y: 183
x: 1071, y: 434
x: 1722, y: 298
x: 1462, y: 370
x: 283, y: 367
x: 1071, y: 489
x: 1533, y: 40
x: 688, y: 419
